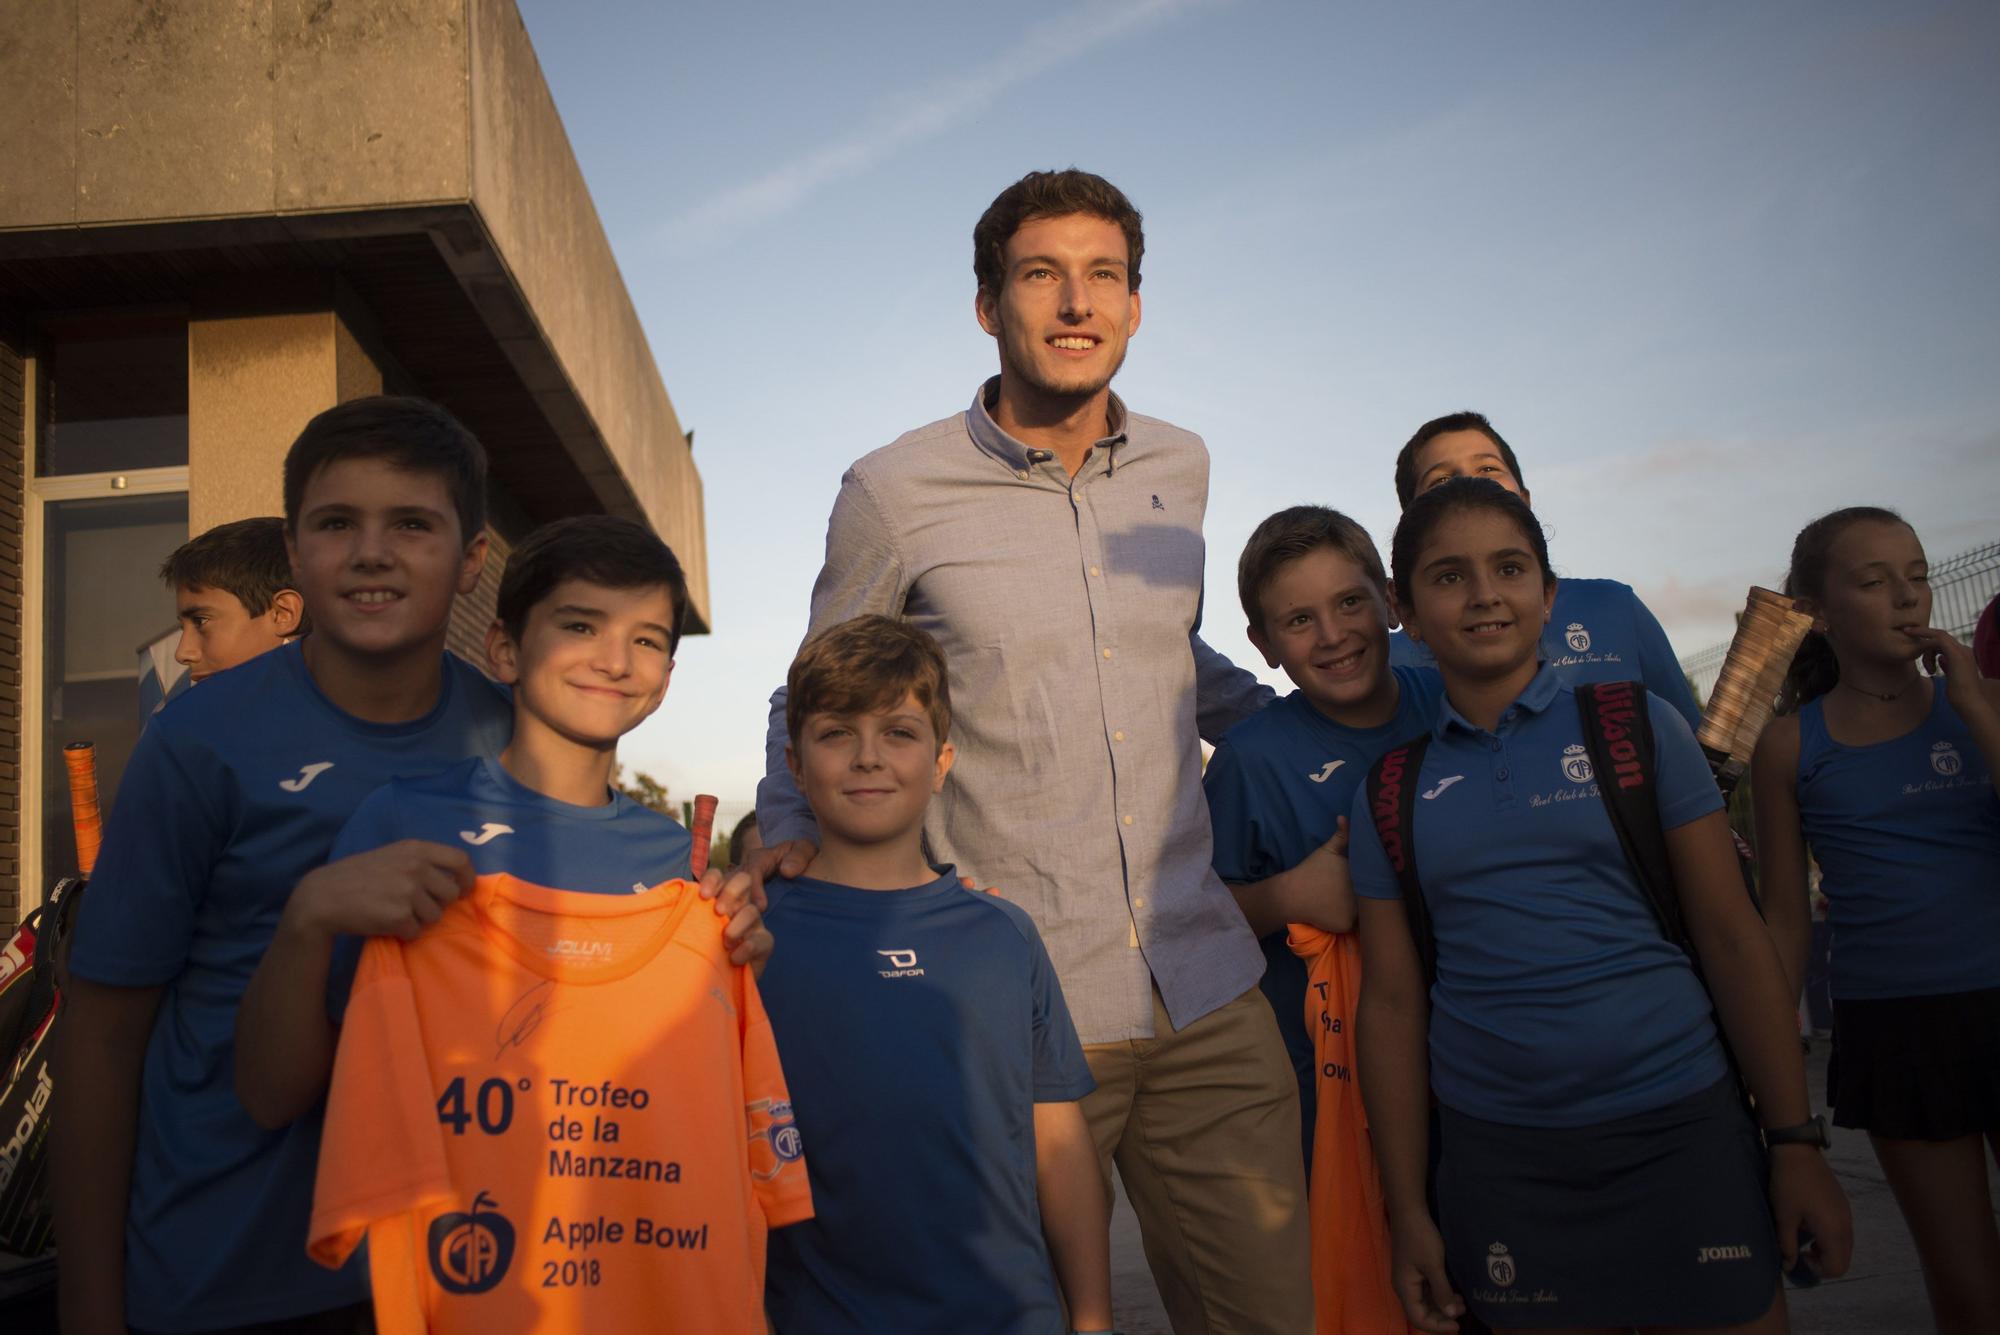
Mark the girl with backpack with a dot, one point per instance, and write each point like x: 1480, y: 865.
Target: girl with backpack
x: 1890, y: 776
x: 1597, y: 1168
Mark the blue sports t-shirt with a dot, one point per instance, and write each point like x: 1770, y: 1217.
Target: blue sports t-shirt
x: 234, y: 793
x: 1907, y: 833
x: 1558, y: 1002
x: 503, y: 825
x: 1598, y: 631
x: 918, y: 1029
x: 1277, y: 785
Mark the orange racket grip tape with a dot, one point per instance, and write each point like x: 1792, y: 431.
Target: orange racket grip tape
x: 80, y: 759
x: 703, y: 831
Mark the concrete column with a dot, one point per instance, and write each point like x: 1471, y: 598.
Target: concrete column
x: 253, y: 382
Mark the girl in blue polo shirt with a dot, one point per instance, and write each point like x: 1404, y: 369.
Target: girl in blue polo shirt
x: 1597, y: 1167
x: 1599, y: 630
x: 1890, y: 777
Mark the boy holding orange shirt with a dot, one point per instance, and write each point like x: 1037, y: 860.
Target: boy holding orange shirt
x: 557, y: 1104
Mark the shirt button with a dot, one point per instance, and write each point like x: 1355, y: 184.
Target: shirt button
x: 1107, y: 653
x: 1128, y: 820
x: 1117, y: 736
x: 1022, y: 474
x: 1496, y: 743
x: 1500, y: 774
x: 1139, y: 903
x: 1093, y: 572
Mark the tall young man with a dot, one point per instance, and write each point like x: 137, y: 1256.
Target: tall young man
x: 1051, y: 542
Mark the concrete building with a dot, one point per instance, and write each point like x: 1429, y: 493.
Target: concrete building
x: 218, y: 217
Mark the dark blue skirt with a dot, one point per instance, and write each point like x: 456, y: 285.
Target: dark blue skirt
x: 1659, y: 1219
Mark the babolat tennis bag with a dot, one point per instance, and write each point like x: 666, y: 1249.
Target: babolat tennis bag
x: 28, y: 1015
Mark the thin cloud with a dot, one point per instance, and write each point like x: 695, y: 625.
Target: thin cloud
x: 922, y: 114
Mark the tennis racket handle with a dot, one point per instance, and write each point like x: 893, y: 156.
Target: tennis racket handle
x: 703, y: 831
x: 80, y: 759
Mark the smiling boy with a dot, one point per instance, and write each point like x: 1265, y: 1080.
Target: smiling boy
x: 589, y: 615
x: 931, y: 1059
x: 175, y: 1211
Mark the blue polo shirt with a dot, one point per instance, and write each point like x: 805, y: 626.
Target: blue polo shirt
x: 1907, y: 834
x: 1277, y: 784
x: 1558, y: 1002
x: 1598, y: 631
x: 918, y: 1029
x: 235, y: 791
x: 503, y: 825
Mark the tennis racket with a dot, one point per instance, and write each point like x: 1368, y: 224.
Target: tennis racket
x: 80, y: 759
x: 703, y: 830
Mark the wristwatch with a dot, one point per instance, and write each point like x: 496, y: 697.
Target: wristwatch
x: 1813, y: 1131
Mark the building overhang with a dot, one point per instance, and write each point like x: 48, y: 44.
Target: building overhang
x: 405, y: 154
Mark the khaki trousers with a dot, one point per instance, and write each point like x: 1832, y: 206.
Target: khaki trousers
x: 1204, y: 1128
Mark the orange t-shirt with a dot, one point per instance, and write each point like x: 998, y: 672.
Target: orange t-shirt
x: 559, y: 1112
x: 1352, y: 1293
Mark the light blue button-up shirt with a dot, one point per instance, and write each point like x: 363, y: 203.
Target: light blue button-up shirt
x: 1067, y: 609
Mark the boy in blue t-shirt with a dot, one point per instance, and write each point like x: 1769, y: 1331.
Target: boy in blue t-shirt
x: 176, y: 1211
x: 931, y: 1060
x: 1280, y: 783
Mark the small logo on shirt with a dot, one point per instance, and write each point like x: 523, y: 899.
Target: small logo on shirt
x: 1157, y: 505
x: 1499, y: 1266
x: 1703, y: 1255
x: 1326, y: 771
x: 902, y: 964
x: 470, y: 1252
x: 771, y: 1126
x: 1431, y: 794
x: 569, y: 949
x: 1576, y: 764
x: 306, y: 776
x: 488, y: 832
x: 1946, y: 760
x: 1577, y: 637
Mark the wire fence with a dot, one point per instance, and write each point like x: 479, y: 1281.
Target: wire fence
x: 1961, y: 586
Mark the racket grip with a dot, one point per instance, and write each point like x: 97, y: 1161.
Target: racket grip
x: 80, y: 759
x: 703, y: 830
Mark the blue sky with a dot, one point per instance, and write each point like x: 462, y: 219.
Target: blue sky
x: 1713, y: 269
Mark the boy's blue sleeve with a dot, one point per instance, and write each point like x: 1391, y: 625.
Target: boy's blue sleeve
x: 136, y: 923
x: 1367, y: 865
x: 1238, y: 853
x: 373, y: 825
x: 1061, y: 1075
x: 1687, y: 785
x: 1658, y: 667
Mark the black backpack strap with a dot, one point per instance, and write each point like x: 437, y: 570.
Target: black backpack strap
x: 1618, y: 732
x: 1392, y: 801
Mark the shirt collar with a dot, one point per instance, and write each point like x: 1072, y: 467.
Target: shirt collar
x: 988, y: 436
x: 1535, y: 698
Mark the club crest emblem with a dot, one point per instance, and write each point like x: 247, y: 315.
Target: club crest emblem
x: 1499, y: 1266
x: 470, y: 1252
x: 1576, y: 764
x: 1577, y: 637
x: 774, y: 1138
x: 1946, y: 760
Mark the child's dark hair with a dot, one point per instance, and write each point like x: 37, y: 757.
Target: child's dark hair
x: 599, y: 549
x: 1289, y: 534
x: 1815, y: 670
x: 1406, y: 462
x: 412, y: 434
x: 1427, y: 511
x: 868, y: 663
x: 245, y: 558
